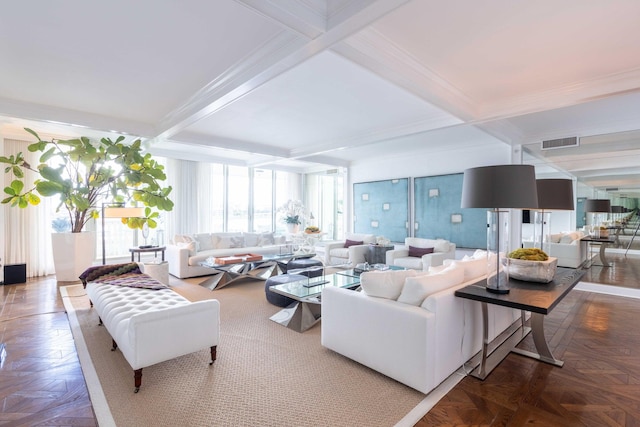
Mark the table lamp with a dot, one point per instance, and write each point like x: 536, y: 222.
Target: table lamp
x: 496, y: 188
x: 595, y: 207
x: 553, y: 194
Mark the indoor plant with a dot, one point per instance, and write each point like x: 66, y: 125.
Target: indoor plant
x: 84, y: 173
x: 292, y: 214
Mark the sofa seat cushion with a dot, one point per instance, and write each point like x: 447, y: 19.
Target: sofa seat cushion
x: 339, y: 253
x: 409, y: 262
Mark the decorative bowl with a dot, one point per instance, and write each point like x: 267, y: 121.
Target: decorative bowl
x: 532, y: 271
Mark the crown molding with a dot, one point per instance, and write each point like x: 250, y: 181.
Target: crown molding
x: 213, y: 141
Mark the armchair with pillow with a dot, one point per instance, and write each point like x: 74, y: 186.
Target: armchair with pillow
x: 351, y: 251
x: 420, y: 254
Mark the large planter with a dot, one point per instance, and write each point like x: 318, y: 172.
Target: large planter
x: 293, y: 228
x: 72, y: 254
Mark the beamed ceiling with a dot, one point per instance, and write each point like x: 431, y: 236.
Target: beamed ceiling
x: 307, y: 85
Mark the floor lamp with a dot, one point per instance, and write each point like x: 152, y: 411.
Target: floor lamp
x: 596, y: 206
x: 553, y: 194
x: 496, y: 188
x: 117, y: 210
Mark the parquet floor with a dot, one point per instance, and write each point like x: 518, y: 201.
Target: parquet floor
x: 598, y: 338
x: 41, y: 382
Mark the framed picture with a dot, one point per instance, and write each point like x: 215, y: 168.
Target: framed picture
x: 456, y: 218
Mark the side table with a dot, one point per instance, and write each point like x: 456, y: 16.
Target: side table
x: 377, y: 254
x: 154, y: 249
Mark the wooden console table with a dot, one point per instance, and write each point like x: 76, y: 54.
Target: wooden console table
x: 537, y: 298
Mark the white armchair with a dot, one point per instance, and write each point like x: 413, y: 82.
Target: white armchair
x: 337, y: 254
x: 442, y: 249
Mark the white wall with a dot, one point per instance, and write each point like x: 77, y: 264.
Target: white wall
x: 424, y: 162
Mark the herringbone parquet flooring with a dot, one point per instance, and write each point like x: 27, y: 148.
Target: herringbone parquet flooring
x: 597, y: 336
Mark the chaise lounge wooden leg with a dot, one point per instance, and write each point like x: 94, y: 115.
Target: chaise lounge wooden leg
x: 99, y: 321
x: 137, y: 378
x: 213, y: 354
x: 114, y: 345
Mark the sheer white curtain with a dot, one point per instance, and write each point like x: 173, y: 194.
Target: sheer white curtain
x: 182, y: 176
x: 28, y: 231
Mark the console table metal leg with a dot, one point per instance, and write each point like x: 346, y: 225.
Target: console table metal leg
x: 542, y: 347
x: 485, y: 341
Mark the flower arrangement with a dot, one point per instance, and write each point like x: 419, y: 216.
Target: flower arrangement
x: 292, y: 212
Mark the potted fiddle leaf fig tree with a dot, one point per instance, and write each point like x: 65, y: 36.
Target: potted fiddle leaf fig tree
x: 84, y: 173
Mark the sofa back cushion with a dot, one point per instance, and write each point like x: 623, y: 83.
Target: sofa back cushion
x: 205, y: 241
x: 359, y: 237
x: 228, y: 240
x: 258, y: 239
x: 416, y: 289
x: 473, y: 267
x: 438, y: 245
x: 384, y: 284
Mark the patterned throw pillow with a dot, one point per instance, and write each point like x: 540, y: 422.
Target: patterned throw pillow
x: 418, y: 252
x: 352, y: 243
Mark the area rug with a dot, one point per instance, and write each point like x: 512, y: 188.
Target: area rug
x: 265, y: 375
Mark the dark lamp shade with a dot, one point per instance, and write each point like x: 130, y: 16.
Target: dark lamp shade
x: 555, y: 194
x: 597, y: 205
x: 502, y: 186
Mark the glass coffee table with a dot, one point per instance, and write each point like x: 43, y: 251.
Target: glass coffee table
x: 305, y: 311
x: 262, y: 269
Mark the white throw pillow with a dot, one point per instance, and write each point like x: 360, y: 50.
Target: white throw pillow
x: 473, y: 267
x: 230, y: 242
x: 266, y: 239
x: 182, y: 238
x: 205, y: 242
x: 191, y: 246
x: 384, y: 284
x: 251, y: 239
x: 417, y: 289
x: 441, y: 246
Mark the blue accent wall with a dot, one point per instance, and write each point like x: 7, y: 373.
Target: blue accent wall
x: 382, y: 208
x: 434, y: 213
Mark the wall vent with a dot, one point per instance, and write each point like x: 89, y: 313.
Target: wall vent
x: 611, y: 189
x: 560, y: 143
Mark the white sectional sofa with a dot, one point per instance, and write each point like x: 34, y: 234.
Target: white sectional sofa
x: 565, y: 246
x: 409, y: 325
x: 402, y: 256
x: 186, y: 251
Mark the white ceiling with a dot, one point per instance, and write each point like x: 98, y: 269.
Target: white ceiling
x: 309, y: 84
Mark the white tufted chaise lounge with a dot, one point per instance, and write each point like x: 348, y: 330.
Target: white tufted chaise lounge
x: 150, y: 326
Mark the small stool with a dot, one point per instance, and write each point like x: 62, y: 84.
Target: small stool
x: 277, y: 299
x: 301, y: 263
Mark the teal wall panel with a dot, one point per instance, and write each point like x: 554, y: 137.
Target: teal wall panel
x: 434, y: 213
x: 382, y: 208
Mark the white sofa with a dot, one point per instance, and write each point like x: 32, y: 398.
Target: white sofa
x: 150, y: 326
x: 186, y: 251
x: 416, y: 342
x: 442, y: 249
x: 565, y: 246
x: 337, y: 254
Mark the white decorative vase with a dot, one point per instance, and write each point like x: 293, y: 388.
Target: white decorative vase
x: 72, y: 254
x: 293, y: 228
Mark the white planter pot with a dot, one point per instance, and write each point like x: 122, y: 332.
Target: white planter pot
x: 72, y: 254
x: 293, y: 228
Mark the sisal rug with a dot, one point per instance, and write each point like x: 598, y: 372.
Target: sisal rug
x: 264, y: 375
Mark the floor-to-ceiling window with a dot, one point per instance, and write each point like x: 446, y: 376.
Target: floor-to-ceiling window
x: 262, y: 200
x: 325, y: 201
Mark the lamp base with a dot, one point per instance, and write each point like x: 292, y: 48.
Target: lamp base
x: 500, y: 290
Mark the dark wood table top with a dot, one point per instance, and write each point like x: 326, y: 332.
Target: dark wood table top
x: 598, y: 239
x: 529, y: 296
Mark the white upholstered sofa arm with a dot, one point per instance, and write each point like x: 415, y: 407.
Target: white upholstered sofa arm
x: 178, y: 259
x: 358, y: 253
x: 328, y: 247
x: 396, y: 253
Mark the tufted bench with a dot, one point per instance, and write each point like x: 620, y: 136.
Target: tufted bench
x: 150, y: 326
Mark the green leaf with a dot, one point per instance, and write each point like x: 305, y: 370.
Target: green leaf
x: 48, y: 188
x: 10, y: 191
x: 17, y: 186
x: 32, y: 133
x: 17, y: 171
x: 32, y: 199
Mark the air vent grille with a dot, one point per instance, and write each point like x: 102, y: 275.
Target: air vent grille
x: 611, y: 189
x: 560, y: 143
